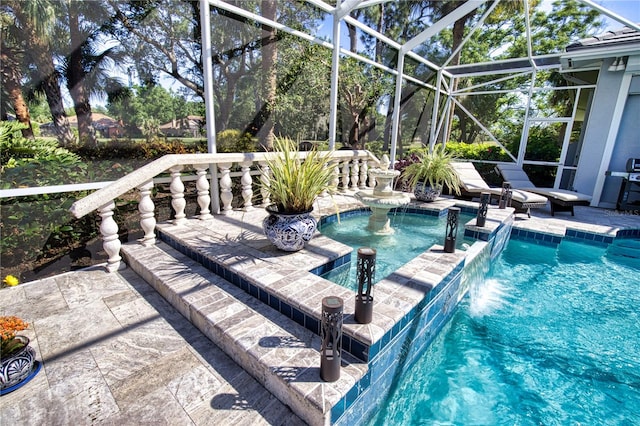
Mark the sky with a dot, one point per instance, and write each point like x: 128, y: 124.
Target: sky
x: 629, y: 9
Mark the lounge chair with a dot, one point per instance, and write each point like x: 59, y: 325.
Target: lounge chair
x: 562, y: 200
x: 473, y: 185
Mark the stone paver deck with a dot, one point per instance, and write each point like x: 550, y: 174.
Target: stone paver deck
x: 116, y: 352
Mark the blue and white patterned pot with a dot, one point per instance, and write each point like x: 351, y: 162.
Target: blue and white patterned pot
x: 427, y: 193
x: 289, y: 232
x: 17, y: 366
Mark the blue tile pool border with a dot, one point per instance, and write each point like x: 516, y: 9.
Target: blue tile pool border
x: 331, y: 265
x: 358, y: 211
x: 588, y: 237
x: 429, y: 316
x: 628, y: 233
x: 591, y: 238
x: 536, y: 237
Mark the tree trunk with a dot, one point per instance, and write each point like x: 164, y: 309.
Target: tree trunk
x: 354, y: 132
x: 269, y: 77
x: 458, y: 36
x: 75, y: 81
x: 379, y: 44
x: 46, y: 75
x: 353, y: 38
x: 56, y: 106
x: 10, y: 68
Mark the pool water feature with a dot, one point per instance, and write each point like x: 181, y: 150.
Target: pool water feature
x: 552, y: 336
x: 382, y: 198
x: 414, y: 234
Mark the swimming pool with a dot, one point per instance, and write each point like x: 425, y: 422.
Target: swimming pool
x: 552, y: 336
x: 414, y: 234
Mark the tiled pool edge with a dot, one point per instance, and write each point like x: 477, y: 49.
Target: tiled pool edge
x: 574, y: 234
x: 438, y: 311
x: 415, y: 331
x: 419, y: 327
x: 436, y: 308
x: 351, y: 344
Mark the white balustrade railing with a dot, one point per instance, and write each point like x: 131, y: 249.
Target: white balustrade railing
x: 350, y: 172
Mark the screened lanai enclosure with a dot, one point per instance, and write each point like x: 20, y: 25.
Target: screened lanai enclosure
x: 390, y: 75
x: 104, y: 87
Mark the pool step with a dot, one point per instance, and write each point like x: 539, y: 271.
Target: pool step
x: 627, y: 242
x: 629, y: 248
x: 282, y: 355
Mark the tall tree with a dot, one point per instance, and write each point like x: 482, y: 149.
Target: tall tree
x: 36, y: 19
x: 76, y: 75
x: 85, y: 62
x: 163, y: 39
x: 399, y: 21
x: 269, y: 76
x: 136, y: 105
x: 360, y: 88
x: 441, y: 10
x: 11, y: 56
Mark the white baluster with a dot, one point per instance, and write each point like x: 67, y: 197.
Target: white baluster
x: 363, y: 174
x: 325, y: 192
x: 110, y: 241
x: 246, y: 181
x: 345, y: 175
x: 355, y: 174
x: 147, y: 218
x: 336, y: 174
x: 372, y: 179
x: 265, y: 180
x: 225, y: 187
x: 202, y: 185
x: 177, y: 194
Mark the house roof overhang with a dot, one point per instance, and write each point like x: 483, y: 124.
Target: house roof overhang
x: 590, y: 52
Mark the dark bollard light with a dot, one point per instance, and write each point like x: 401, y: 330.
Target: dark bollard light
x: 365, y: 273
x: 451, y: 230
x: 505, y: 195
x: 331, y: 336
x: 481, y: 218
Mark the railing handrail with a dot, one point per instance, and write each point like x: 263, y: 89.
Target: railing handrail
x: 147, y: 172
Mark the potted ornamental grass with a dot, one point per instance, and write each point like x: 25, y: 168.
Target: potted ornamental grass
x: 430, y: 173
x: 293, y: 184
x: 18, y: 358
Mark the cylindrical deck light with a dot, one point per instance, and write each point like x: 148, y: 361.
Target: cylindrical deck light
x: 481, y: 218
x: 451, y: 230
x: 365, y: 273
x: 505, y: 195
x: 331, y: 336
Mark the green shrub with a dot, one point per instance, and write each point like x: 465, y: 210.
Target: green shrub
x: 34, y: 162
x: 477, y: 151
x: 544, y: 144
x: 233, y: 140
x: 16, y: 150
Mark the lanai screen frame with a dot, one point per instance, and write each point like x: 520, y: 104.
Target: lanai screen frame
x: 446, y: 75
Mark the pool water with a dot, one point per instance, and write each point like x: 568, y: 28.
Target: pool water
x: 551, y: 337
x: 414, y: 234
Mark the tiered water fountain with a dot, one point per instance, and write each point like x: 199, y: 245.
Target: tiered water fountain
x: 382, y: 198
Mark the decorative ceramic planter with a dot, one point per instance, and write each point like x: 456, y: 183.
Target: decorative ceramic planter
x: 427, y: 193
x: 18, y: 368
x: 289, y: 232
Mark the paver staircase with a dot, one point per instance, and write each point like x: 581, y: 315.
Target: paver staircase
x: 280, y: 353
